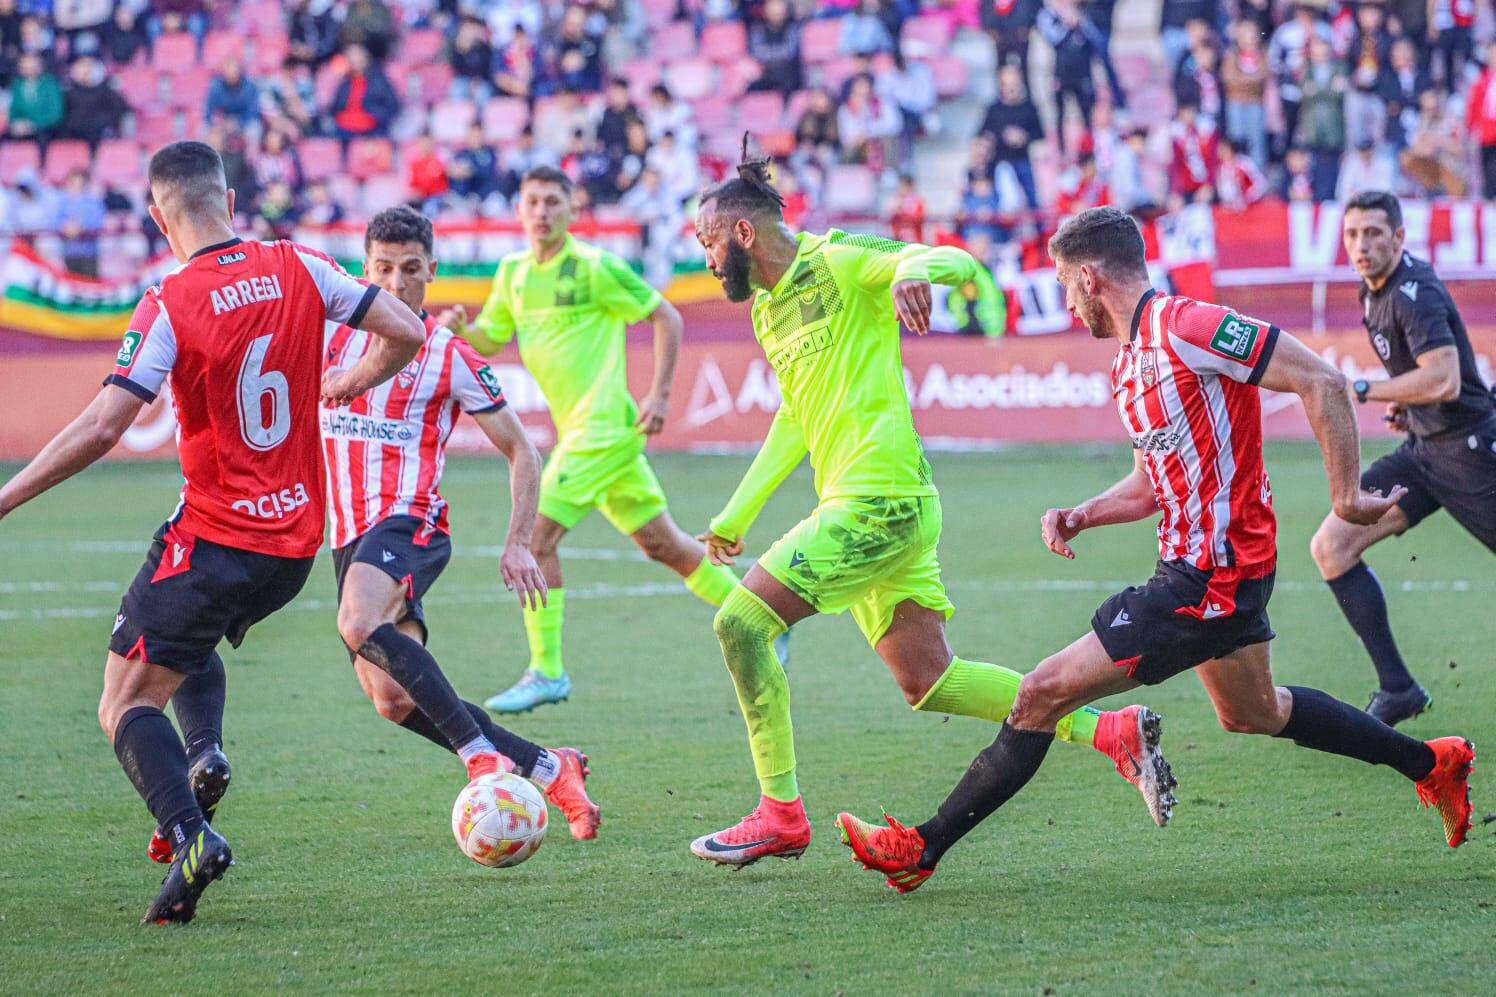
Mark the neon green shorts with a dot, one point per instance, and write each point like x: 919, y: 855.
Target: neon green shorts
x: 618, y: 482
x: 867, y: 555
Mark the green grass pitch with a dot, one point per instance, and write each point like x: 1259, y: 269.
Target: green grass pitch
x: 1284, y: 870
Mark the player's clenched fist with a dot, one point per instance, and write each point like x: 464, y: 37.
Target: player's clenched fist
x: 912, y: 302
x: 340, y: 387
x: 1058, y: 527
x: 1370, y: 506
x: 720, y: 550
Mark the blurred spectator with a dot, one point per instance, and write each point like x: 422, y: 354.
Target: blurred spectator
x: 980, y: 211
x: 1452, y: 30
x: 774, y: 41
x: 369, y: 24
x: 906, y: 212
x: 278, y: 214
x: 181, y: 15
x: 817, y: 135
x: 35, y: 100
x: 37, y: 37
x: 124, y: 37
x: 364, y: 102
x: 1259, y: 14
x: 863, y: 123
x: 594, y: 170
x: 118, y: 208
x: 666, y: 114
x: 1321, y: 128
x: 1368, y: 55
x: 288, y: 99
x: 576, y: 63
x: 1480, y: 120
x: 321, y: 209
x: 1244, y: 75
x: 1128, y: 190
x: 676, y: 166
x: 277, y: 161
x: 1101, y: 13
x: 1010, y: 22
x: 911, y: 88
x: 1013, y: 123
x: 93, y: 108
x: 654, y: 208
x: 1366, y: 168
x: 517, y: 66
x: 1078, y: 48
x: 1287, y: 57
x: 1298, y: 175
x: 504, y: 19
x: 32, y: 206
x: 526, y: 154
x: 233, y: 95
x: 1195, y: 159
x: 472, y: 60
x: 618, y: 113
x: 1196, y: 76
x: 1174, y: 18
x: 1081, y: 187
x: 10, y: 39
x: 426, y: 176
x: 311, y: 33
x: 979, y: 161
x: 564, y: 116
x: 80, y: 219
x: 631, y: 159
x: 1403, y: 86
x: 863, y: 31
x: 475, y: 168
x: 1435, y: 155
x: 1409, y: 18
x: 1239, y: 182
x: 239, y: 174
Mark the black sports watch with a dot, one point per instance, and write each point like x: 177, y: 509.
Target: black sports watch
x: 1360, y: 387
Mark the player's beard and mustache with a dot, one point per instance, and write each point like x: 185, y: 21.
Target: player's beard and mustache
x: 1095, y: 318
x: 734, y: 273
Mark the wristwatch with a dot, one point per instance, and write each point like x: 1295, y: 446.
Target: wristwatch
x: 1360, y: 387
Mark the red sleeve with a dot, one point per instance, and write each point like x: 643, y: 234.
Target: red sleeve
x: 1212, y: 339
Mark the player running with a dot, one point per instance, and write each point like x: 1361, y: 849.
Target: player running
x: 570, y: 303
x: 1185, y: 382
x: 238, y: 329
x: 1435, y: 394
x: 827, y: 315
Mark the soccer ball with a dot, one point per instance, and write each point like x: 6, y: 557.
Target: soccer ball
x: 499, y: 820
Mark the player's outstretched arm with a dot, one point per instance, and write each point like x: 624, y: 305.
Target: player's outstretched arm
x: 1435, y: 379
x: 655, y: 406
x: 783, y: 448
x: 914, y: 268
x: 87, y: 438
x: 1128, y: 501
x: 1295, y: 368
x: 517, y: 565
x: 398, y: 335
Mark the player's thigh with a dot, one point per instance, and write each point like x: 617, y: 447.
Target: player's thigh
x: 1463, y: 475
x: 1065, y: 681
x: 132, y: 682
x: 785, y: 603
x: 1243, y: 692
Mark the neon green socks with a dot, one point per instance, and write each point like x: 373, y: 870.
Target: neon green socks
x: 711, y: 582
x: 543, y: 628
x: 746, y: 628
x: 977, y: 689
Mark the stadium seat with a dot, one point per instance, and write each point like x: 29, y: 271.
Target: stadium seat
x: 18, y: 156
x: 320, y: 158
x: 691, y: 79
x: 924, y: 37
x: 119, y: 162
x: 189, y: 90
x: 369, y: 157
x: 270, y: 50
x: 344, y: 189
x: 760, y: 111
x: 658, y: 12
x: 140, y: 86
x: 837, y: 72
x: 712, y: 113
x: 850, y: 189
x: 504, y: 118
x: 733, y: 77
x: 722, y: 41
x: 382, y: 192
x: 220, y: 46
x: 421, y: 47
x: 64, y: 156
x: 435, y: 81
x: 776, y: 144
x: 174, y: 52
x: 950, y: 75
x: 154, y: 129
x: 450, y: 120
x: 261, y: 18
x: 676, y: 40
x: 795, y: 106
x: 329, y: 75
x: 820, y: 40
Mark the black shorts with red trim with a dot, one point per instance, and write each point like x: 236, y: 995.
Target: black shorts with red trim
x: 192, y: 593
x: 408, y: 549
x: 1183, y: 617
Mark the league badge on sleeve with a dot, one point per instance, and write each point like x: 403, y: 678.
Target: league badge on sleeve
x: 126, y: 355
x: 490, y: 382
x: 1235, y: 338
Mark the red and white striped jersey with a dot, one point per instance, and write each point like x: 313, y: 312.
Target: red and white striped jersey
x: 384, y: 453
x: 1185, y: 385
x: 239, y: 329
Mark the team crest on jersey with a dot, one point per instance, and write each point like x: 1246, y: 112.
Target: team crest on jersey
x: 126, y: 355
x: 490, y: 382
x: 1147, y: 369
x: 407, y: 376
x: 1235, y: 337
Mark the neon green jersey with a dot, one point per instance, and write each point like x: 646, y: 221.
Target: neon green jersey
x: 570, y: 313
x: 829, y: 331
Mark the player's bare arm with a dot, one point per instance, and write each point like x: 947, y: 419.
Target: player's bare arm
x: 1128, y: 501
x: 1436, y: 379
x: 86, y: 439
x: 517, y: 565
x: 1321, y: 388
x: 655, y: 405
x: 398, y: 335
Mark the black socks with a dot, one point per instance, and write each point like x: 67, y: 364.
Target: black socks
x: 417, y: 672
x: 198, y: 703
x: 999, y: 772
x: 1321, y: 722
x: 519, y: 751
x: 151, y: 754
x: 1365, y: 608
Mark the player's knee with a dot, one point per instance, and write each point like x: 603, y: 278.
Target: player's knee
x: 355, y: 625
x: 542, y: 547
x: 393, y: 706
x: 1334, y: 551
x: 1033, y: 701
x: 1244, y: 720
x: 108, y: 717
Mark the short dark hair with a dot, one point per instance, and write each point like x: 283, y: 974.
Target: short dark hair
x: 547, y: 174
x: 187, y: 174
x: 1379, y: 200
x: 1103, y: 237
x: 400, y: 224
x: 750, y: 193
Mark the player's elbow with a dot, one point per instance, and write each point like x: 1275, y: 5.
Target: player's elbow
x: 1449, y: 390
x: 104, y: 433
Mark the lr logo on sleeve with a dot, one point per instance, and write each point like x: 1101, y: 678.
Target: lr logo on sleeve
x: 490, y: 382
x: 126, y: 355
x: 1235, y: 337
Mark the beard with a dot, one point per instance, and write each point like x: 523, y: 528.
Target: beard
x: 734, y: 274
x: 1094, y: 316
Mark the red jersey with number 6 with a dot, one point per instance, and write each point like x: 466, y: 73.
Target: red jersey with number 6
x: 238, y: 329
x: 1185, y: 385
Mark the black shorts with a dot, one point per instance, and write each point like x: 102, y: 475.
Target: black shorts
x: 411, y: 552
x: 1183, y: 617
x: 1458, y: 474
x: 191, y: 593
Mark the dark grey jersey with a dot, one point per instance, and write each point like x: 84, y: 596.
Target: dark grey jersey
x: 1406, y: 317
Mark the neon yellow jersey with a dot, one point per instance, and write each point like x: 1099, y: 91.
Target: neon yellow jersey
x: 570, y: 313
x: 829, y: 331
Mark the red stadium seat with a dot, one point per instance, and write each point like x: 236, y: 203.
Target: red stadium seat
x: 154, y: 129
x: 658, y: 12
x: 344, y: 189
x: 836, y: 72
x: 64, y: 156
x: 850, y: 190
x: 270, y: 50
x: 776, y: 144
x: 141, y: 87
x: 504, y: 118
x: 421, y: 47
x: 819, y: 40
x: 18, y: 156
x: 676, y: 40
x: 261, y: 18
x: 436, y: 81
x: 369, y: 157
x: 320, y: 158
x: 329, y: 75
x: 950, y: 74
x: 762, y: 111
x: 220, y: 46
x: 712, y: 114
x: 722, y: 41
x: 924, y: 37
x: 189, y: 90
x: 691, y: 79
x: 119, y: 162
x: 795, y: 106
x: 733, y: 77
x: 382, y: 192
x: 174, y: 52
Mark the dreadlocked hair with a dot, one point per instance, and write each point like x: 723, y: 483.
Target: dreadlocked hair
x: 751, y: 192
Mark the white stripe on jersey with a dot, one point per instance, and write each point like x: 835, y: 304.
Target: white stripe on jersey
x: 1225, y: 466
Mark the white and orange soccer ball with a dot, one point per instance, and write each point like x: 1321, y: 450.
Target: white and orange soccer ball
x: 499, y: 820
